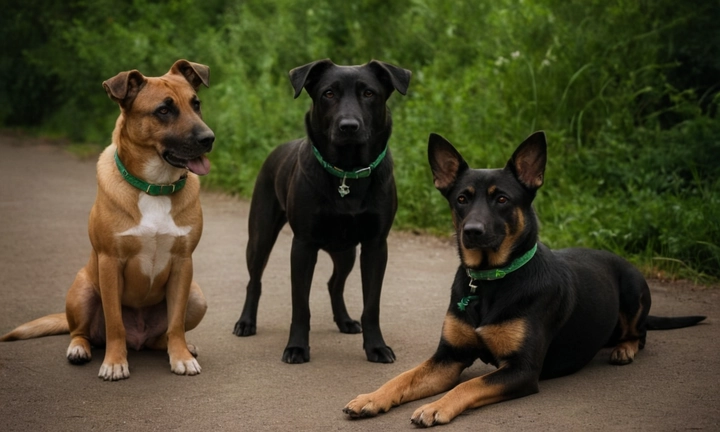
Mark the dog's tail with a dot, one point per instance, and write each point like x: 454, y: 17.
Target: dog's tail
x: 668, y: 323
x: 46, y: 326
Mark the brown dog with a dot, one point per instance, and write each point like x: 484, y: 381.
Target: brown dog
x: 137, y: 289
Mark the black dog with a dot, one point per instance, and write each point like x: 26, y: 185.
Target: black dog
x: 532, y: 312
x: 336, y: 189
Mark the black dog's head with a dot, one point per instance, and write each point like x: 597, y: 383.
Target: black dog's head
x: 349, y: 121
x: 491, y: 208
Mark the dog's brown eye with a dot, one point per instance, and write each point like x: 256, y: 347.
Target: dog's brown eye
x: 502, y: 200
x: 368, y: 93
x: 163, y: 110
x: 329, y: 94
x: 462, y: 199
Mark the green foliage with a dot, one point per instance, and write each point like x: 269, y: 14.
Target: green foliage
x: 627, y: 92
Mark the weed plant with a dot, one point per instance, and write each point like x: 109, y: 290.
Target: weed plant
x: 627, y: 92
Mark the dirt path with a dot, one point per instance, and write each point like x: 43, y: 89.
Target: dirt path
x: 45, y: 199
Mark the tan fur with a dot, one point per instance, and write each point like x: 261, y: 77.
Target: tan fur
x: 115, y: 279
x: 473, y: 393
x: 501, y: 257
x: 624, y: 352
x: 471, y: 257
x: 458, y: 333
x: 427, y: 379
x: 445, y: 175
x: 49, y: 325
x: 505, y: 338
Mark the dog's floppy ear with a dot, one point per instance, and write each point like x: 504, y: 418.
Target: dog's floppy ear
x: 195, y: 73
x: 304, y: 76
x: 392, y: 76
x: 124, y: 87
x: 528, y: 161
x: 446, y: 163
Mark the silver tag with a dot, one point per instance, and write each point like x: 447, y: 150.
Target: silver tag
x: 343, y: 189
x: 472, y: 287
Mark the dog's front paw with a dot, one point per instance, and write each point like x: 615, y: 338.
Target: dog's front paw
x: 114, y: 371
x: 349, y: 326
x: 244, y: 328
x: 381, y: 354
x: 185, y: 367
x: 430, y: 415
x: 296, y: 354
x: 365, y: 405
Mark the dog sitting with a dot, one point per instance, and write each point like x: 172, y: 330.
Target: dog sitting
x: 137, y: 289
x: 532, y: 312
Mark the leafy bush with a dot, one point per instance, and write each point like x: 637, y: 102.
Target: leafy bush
x: 626, y: 91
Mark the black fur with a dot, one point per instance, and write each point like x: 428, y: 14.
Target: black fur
x: 571, y: 299
x: 350, y: 124
x: 546, y: 317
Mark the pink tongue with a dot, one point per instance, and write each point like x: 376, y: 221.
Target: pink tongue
x: 199, y: 166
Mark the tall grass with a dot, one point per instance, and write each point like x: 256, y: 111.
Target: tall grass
x: 624, y: 90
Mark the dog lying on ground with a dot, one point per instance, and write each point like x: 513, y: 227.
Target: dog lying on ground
x: 336, y: 189
x: 137, y: 288
x: 532, y: 312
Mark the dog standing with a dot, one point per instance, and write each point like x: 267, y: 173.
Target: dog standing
x: 336, y: 189
x: 531, y: 312
x: 137, y: 288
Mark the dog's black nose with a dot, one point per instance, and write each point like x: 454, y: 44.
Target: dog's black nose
x: 349, y: 125
x: 206, y: 140
x: 473, y: 232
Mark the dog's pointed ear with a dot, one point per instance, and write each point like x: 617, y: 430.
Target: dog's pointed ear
x: 124, y: 87
x: 392, y: 76
x: 195, y: 73
x: 446, y: 163
x: 528, y: 161
x: 304, y: 76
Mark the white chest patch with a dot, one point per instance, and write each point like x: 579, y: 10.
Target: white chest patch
x: 157, y: 232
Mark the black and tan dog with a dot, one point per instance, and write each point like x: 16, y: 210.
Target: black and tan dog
x: 531, y: 312
x: 336, y: 190
x: 137, y: 288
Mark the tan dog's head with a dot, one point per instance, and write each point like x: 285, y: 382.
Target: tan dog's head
x: 162, y: 115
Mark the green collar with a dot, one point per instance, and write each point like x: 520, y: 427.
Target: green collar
x: 148, y: 188
x: 493, y: 274
x: 356, y: 174
x: 502, y: 272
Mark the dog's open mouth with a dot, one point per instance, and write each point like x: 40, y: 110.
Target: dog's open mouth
x: 199, y: 165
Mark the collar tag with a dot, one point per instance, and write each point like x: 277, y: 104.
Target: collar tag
x: 472, y: 287
x: 343, y: 189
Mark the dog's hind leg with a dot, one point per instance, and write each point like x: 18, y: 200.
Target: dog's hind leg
x: 84, y: 314
x: 373, y: 262
x: 634, y: 307
x: 342, y: 265
x: 266, y: 219
x: 196, y: 308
